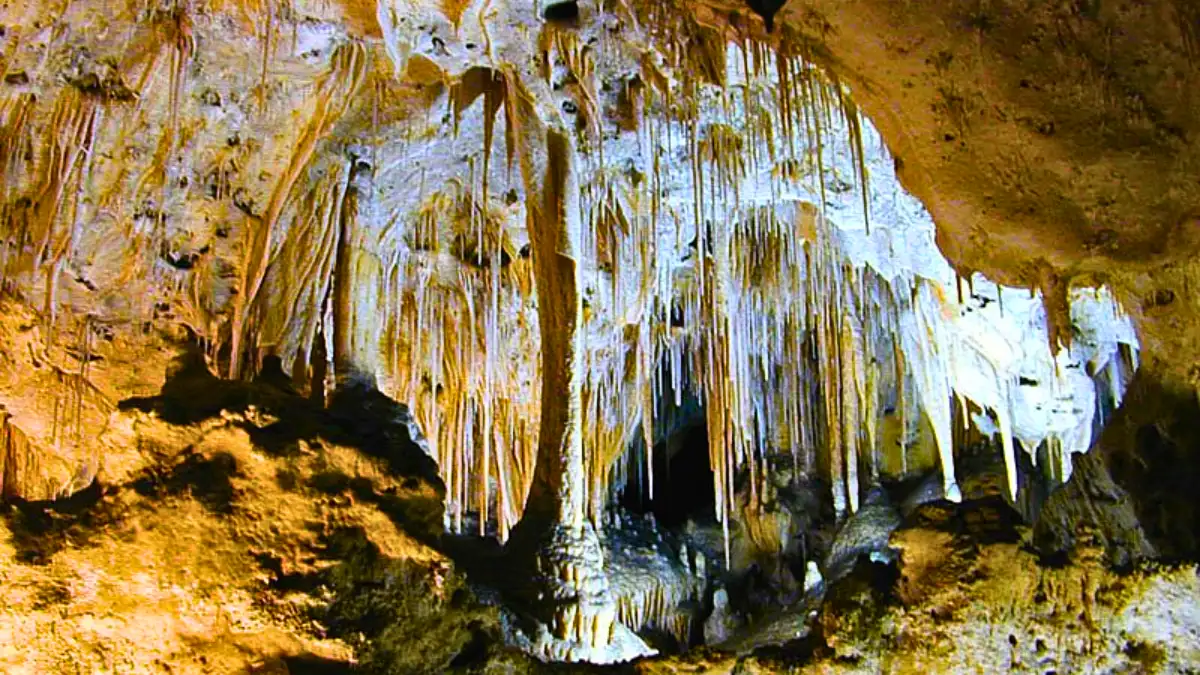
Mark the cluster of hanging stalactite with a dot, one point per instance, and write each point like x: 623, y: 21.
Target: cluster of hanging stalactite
x: 462, y: 324
x: 719, y: 177
x: 708, y: 251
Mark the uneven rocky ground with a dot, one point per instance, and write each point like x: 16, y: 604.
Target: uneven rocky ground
x: 237, y: 528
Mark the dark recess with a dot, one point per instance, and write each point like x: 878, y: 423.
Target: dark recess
x: 562, y: 12
x: 683, y: 481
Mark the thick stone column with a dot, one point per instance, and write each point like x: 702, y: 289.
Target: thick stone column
x: 570, y: 592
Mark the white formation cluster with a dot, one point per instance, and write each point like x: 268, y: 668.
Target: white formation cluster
x: 973, y: 341
x: 734, y: 243
x: 814, y: 316
x: 889, y: 323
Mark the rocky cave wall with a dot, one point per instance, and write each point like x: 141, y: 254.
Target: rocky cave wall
x: 1052, y: 142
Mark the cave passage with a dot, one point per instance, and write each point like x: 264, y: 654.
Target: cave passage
x: 683, y: 479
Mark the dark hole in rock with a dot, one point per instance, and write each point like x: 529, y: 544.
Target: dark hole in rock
x: 1161, y: 298
x: 564, y: 12
x: 475, y: 651
x: 683, y: 478
x: 767, y: 9
x: 308, y: 664
x: 676, y: 316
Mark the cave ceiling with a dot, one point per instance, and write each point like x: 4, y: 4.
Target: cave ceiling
x: 1050, y: 140
x: 1053, y: 142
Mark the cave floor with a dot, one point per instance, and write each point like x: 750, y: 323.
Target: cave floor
x: 240, y: 528
x: 225, y: 555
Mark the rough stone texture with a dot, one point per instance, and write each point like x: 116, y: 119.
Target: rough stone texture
x: 58, y: 426
x: 962, y: 606
x: 242, y: 531
x: 1138, y: 493
x: 865, y: 533
x: 1052, y: 141
x: 233, y: 528
x: 1092, y: 503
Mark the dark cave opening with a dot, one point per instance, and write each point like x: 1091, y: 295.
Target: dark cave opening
x: 564, y: 11
x: 683, y: 479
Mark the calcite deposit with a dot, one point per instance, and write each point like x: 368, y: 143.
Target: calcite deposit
x: 481, y: 334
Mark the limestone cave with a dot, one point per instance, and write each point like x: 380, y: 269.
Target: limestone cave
x: 599, y: 336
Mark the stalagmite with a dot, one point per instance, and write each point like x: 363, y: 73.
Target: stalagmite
x: 581, y: 608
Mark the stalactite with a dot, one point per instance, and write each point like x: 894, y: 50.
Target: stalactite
x: 49, y: 222
x: 852, y: 393
x: 752, y: 298
x: 19, y: 461
x: 933, y: 384
x: 353, y: 353
x: 15, y: 142
x: 554, y: 240
x: 308, y: 253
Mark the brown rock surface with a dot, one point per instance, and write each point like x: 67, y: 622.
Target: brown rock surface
x: 1050, y: 140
